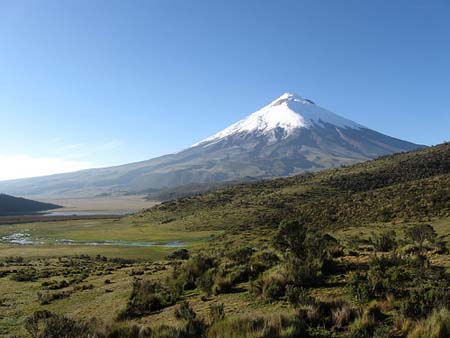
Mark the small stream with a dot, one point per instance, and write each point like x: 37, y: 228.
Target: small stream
x: 19, y: 238
x: 87, y: 213
x: 24, y: 238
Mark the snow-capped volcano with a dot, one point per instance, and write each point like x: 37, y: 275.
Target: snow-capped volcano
x: 286, y: 114
x: 290, y: 135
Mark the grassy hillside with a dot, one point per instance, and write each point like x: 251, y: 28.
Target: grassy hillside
x: 402, y: 187
x: 178, y: 192
x: 10, y: 205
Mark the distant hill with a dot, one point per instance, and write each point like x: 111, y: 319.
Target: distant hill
x: 405, y: 187
x: 291, y: 135
x: 10, y: 205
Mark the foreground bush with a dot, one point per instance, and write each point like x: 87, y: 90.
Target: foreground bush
x: 146, y: 298
x: 422, y: 301
x: 273, y: 326
x: 44, y: 324
x: 216, y: 312
x: 370, y: 325
x: 334, y: 314
x: 26, y: 275
x: 385, y: 241
x: 420, y: 233
x: 193, y: 327
x: 181, y: 254
x: 308, y: 255
x: 192, y: 270
x: 437, y: 325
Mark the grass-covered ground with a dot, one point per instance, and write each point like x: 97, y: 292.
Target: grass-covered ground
x: 93, y: 286
x: 19, y: 299
x: 132, y: 229
x: 43, y: 251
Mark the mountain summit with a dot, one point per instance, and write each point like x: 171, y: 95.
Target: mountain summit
x: 282, y: 117
x: 290, y: 135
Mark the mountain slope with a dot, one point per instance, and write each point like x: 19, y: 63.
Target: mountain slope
x: 291, y: 135
x: 10, y: 205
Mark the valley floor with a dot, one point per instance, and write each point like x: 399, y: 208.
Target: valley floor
x: 99, y: 204
x: 83, y: 281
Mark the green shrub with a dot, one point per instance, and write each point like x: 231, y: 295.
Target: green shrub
x: 329, y: 266
x: 298, y: 296
x: 206, y: 282
x: 304, y: 272
x: 387, y: 275
x: 192, y: 269
x: 418, y: 261
x: 386, y: 241
x: 358, y: 288
x: 336, y: 314
x: 184, y: 311
x: 240, y: 255
x: 369, y: 325
x: 46, y: 298
x: 437, y: 325
x: 14, y: 260
x: 263, y: 260
x: 274, y: 290
x: 291, y: 238
x: 147, y: 297
x: 44, y: 324
x: 25, y: 275
x: 271, y: 285
x: 216, y: 312
x: 241, y: 273
x: 273, y: 326
x: 56, y: 285
x: 122, y: 330
x: 164, y: 331
x: 194, y: 327
x: 182, y: 254
x: 422, y: 301
x: 342, y: 315
x: 222, y: 285
x: 307, y: 254
x: 420, y: 233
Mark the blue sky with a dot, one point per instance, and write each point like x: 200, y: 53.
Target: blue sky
x: 93, y: 83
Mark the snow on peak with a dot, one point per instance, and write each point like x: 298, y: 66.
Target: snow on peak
x: 288, y: 112
x: 286, y: 97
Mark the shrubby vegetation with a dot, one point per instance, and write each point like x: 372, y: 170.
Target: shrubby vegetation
x: 386, y: 241
x: 25, y: 275
x: 394, y: 295
x: 437, y: 325
x: 148, y: 297
x: 408, y: 186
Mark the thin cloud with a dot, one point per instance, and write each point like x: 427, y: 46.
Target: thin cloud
x: 65, y: 158
x: 70, y: 147
x: 82, y: 151
x: 22, y: 166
